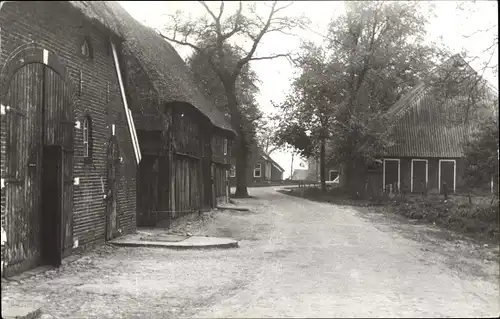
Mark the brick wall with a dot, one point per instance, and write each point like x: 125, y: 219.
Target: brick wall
x: 60, y: 29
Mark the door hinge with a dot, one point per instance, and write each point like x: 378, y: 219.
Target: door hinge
x: 6, y: 108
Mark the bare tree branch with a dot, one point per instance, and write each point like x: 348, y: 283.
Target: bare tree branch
x: 216, y: 19
x: 237, y: 24
x: 282, y: 55
x: 478, y: 31
x: 221, y: 10
x: 185, y: 42
x: 247, y: 58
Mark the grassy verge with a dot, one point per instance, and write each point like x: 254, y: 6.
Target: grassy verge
x: 479, y: 220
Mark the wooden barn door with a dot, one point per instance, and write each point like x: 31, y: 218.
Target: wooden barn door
x: 206, y: 173
x: 24, y: 169
x: 38, y: 115
x: 58, y: 123
x: 112, y: 193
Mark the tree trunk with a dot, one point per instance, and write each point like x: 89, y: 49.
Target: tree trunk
x: 241, y: 172
x: 322, y: 163
x: 242, y: 147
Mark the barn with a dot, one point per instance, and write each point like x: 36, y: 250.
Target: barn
x: 428, y: 138
x: 185, y: 140
x: 69, y: 148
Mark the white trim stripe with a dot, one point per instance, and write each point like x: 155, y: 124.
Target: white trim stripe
x: 45, y: 57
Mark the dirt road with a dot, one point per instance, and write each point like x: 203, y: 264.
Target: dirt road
x: 297, y: 258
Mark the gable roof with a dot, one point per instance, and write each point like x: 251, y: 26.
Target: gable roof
x: 273, y: 162
x: 421, y: 127
x: 167, y: 71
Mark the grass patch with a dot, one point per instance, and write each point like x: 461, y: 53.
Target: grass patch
x: 479, y: 219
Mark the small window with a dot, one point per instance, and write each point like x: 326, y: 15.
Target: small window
x: 86, y: 48
x: 87, y: 138
x: 225, y: 146
x: 232, y: 171
x: 257, y: 170
x: 333, y: 175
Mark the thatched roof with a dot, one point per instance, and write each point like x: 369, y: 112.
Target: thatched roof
x: 421, y: 124
x: 163, y: 65
x: 97, y: 11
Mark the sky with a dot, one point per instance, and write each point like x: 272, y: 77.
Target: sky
x: 449, y: 27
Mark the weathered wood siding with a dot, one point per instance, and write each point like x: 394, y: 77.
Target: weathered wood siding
x: 220, y: 180
x: 187, y: 168
x: 23, y: 174
x: 221, y: 157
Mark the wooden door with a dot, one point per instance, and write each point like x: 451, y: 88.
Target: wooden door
x: 23, y: 168
x: 419, y: 176
x: 214, y: 181
x: 39, y: 113
x: 58, y: 123
x: 112, y: 193
x: 206, y: 173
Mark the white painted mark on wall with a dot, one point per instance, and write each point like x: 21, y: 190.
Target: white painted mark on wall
x: 45, y: 57
x: 75, y: 243
x: 2, y: 109
x: 4, y: 236
x: 76, y: 181
x: 77, y: 124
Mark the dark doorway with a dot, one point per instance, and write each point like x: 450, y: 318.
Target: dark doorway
x: 52, y: 186
x: 391, y: 174
x: 419, y: 178
x: 447, y: 175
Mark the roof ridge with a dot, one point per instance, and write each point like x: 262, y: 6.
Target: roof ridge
x: 165, y: 68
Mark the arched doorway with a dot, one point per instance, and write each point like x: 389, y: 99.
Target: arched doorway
x: 38, y: 136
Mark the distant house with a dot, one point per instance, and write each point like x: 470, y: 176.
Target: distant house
x: 184, y: 139
x: 300, y: 174
x: 332, y: 171
x: 261, y: 168
x: 427, y: 149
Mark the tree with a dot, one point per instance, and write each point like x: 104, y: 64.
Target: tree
x: 309, y: 111
x: 379, y: 51
x: 244, y: 25
x: 246, y: 88
x: 460, y: 85
x: 266, y: 134
x: 481, y: 156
